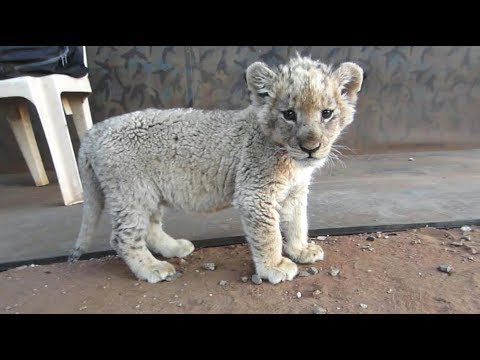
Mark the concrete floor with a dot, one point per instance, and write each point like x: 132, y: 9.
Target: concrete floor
x: 371, y: 190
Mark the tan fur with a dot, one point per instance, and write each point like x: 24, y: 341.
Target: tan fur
x: 254, y: 159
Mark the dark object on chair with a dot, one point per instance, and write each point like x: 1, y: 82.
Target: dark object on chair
x: 16, y: 61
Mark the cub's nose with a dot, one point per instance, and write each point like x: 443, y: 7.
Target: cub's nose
x: 310, y: 150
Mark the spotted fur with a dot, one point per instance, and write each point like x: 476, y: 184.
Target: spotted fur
x: 197, y: 160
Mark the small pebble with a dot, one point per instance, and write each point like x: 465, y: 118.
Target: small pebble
x: 137, y: 306
x: 411, y: 159
x: 319, y: 310
x: 303, y: 273
x: 82, y: 308
x: 32, y: 265
x: 466, y: 238
x: 136, y: 284
x: 473, y: 251
x: 256, y: 279
x: 389, y: 291
x: 210, y: 294
x: 45, y: 285
x: 378, y: 235
x: 299, y: 294
x: 244, y: 279
x: 466, y: 228
x: 321, y: 238
x: 385, y: 237
x: 144, y: 295
x: 369, y: 270
x: 457, y: 243
x: 334, y: 271
x: 312, y: 270
x: 223, y: 283
x: 179, y: 304
x: 183, y: 261
x: 445, y: 268
x: 175, y: 296
x: 209, y: 266
x: 363, y: 306
x: 317, y: 293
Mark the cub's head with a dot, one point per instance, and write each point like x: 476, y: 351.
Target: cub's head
x: 304, y: 105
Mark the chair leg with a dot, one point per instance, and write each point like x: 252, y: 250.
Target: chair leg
x: 19, y: 120
x: 50, y: 111
x: 82, y: 117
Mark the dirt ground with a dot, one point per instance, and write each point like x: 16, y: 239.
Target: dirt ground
x: 394, y: 273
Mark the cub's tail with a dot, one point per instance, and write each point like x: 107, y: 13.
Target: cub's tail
x: 92, y: 206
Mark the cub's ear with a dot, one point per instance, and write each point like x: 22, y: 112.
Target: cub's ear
x: 350, y: 77
x: 259, y: 81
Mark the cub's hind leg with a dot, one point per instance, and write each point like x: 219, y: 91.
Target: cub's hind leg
x: 130, y: 229
x: 159, y: 242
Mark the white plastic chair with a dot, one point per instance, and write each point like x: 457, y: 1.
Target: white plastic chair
x: 53, y: 96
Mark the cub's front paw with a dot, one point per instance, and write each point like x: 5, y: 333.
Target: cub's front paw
x: 284, y: 270
x: 158, y: 271
x: 177, y: 248
x: 307, y: 255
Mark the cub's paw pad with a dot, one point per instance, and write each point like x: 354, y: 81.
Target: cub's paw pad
x: 286, y: 269
x: 184, y: 248
x: 157, y: 272
x: 309, y: 254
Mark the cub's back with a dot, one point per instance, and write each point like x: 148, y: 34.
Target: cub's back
x: 175, y: 137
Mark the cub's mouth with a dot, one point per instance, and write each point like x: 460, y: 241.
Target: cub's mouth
x: 311, y: 159
x: 314, y: 158
x: 317, y: 155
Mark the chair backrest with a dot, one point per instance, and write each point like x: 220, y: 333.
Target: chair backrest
x: 85, y: 56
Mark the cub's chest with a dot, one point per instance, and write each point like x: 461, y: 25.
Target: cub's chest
x: 297, y: 183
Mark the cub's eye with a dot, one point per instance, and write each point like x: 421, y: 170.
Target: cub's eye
x: 289, y: 115
x: 326, y: 114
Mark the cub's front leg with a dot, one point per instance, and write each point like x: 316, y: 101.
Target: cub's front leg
x: 295, y: 226
x: 261, y: 225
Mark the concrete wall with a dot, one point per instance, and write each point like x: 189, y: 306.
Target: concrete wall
x: 414, y: 97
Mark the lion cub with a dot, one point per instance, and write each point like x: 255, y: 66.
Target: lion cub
x: 259, y: 160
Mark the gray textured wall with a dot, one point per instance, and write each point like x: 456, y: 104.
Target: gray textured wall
x: 414, y: 97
